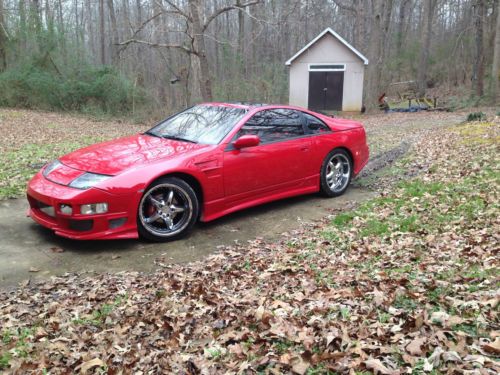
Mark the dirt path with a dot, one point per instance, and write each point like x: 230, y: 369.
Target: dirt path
x: 25, y: 245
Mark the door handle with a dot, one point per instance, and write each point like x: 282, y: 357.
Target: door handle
x: 304, y: 148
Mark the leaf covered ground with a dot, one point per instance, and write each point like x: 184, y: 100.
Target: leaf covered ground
x: 406, y: 282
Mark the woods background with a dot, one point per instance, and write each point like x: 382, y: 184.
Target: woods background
x: 147, y: 56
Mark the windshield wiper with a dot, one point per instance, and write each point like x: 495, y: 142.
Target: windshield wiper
x: 178, y: 138
x: 152, y: 134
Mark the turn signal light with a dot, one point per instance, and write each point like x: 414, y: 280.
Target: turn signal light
x: 94, y: 208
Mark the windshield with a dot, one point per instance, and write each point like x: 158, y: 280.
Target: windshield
x: 204, y: 124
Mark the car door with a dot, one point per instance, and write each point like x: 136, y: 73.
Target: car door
x: 278, y: 163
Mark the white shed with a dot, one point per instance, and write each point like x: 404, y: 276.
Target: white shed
x: 327, y: 75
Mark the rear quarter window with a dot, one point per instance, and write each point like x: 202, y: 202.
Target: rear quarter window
x: 314, y: 125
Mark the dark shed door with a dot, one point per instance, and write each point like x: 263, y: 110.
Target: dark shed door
x: 326, y: 90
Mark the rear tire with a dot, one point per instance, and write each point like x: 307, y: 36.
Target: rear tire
x: 168, y: 210
x: 336, y: 173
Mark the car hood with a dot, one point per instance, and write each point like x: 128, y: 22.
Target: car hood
x: 115, y: 156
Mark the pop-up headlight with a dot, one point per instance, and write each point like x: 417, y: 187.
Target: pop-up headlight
x: 88, y: 180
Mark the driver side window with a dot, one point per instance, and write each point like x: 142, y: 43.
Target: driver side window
x: 274, y: 125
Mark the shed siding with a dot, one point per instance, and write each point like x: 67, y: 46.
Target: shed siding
x: 328, y: 50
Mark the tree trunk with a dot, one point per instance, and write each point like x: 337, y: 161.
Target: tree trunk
x: 61, y: 30
x: 77, y: 31
x: 373, y: 73
x: 90, y: 28
x: 401, y: 23
x: 400, y: 35
x: 478, y: 75
x: 49, y: 17
x: 425, y: 38
x: 386, y: 38
x: 200, y: 62
x: 35, y: 16
x: 495, y: 67
x: 359, y: 21
x: 241, y: 29
x: 101, y: 32
x: 115, y: 58
x: 3, y: 40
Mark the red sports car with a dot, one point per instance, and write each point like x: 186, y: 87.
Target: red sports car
x: 202, y: 163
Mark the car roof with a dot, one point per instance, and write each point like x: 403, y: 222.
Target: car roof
x: 251, y: 105
x: 242, y: 105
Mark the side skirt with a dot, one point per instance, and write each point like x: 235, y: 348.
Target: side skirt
x: 255, y: 202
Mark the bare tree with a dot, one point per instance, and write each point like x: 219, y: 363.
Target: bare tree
x: 478, y: 74
x: 102, y: 36
x: 115, y: 59
x: 425, y: 38
x: 495, y: 66
x: 3, y: 39
x: 195, y: 47
x: 374, y: 53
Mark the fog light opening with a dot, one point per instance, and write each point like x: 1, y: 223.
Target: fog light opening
x: 66, y: 209
x: 93, y: 208
x: 116, y: 223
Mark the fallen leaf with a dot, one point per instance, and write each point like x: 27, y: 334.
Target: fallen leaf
x: 86, y: 366
x: 493, y: 347
x: 299, y: 366
x: 378, y: 367
x: 34, y: 269
x: 378, y: 297
x: 56, y: 249
x: 259, y: 313
x: 415, y: 346
x: 451, y: 356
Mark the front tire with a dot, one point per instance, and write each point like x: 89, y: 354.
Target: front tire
x: 336, y: 173
x: 168, y: 210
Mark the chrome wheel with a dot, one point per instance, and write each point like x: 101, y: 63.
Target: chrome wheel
x: 165, y: 210
x: 338, y: 172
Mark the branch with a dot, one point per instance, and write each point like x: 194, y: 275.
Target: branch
x: 139, y: 29
x: 227, y: 9
x: 159, y: 45
x: 345, y: 6
x: 177, y: 9
x: 216, y: 40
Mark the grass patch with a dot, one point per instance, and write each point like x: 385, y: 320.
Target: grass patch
x: 5, y: 360
x: 476, y: 116
x: 20, y: 339
x: 17, y: 167
x: 404, y: 302
x: 343, y: 219
x: 98, y: 316
x: 374, y: 227
x: 470, y: 329
x: 418, y: 188
x: 282, y: 346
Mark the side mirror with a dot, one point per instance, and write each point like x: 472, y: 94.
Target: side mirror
x: 246, y: 141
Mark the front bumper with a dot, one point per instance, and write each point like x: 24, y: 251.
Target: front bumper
x: 118, y: 223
